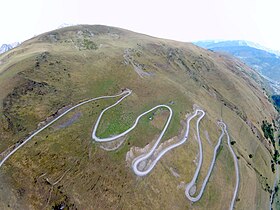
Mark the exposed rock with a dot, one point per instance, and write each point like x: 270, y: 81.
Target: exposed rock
x: 139, y: 68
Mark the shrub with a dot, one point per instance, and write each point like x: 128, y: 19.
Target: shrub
x: 89, y: 45
x: 232, y: 142
x: 268, y: 131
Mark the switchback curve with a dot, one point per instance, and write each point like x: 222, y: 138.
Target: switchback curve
x: 144, y: 157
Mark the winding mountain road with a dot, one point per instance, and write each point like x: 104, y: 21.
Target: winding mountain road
x: 54, y: 120
x: 142, y: 158
x: 193, y: 181
x: 235, y: 166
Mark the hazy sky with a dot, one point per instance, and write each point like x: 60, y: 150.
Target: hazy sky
x: 183, y: 20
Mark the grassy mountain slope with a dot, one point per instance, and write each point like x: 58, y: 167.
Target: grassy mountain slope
x: 63, y: 67
x: 265, y: 62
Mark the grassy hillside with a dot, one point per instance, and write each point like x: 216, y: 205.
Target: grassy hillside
x: 266, y: 62
x: 61, y: 68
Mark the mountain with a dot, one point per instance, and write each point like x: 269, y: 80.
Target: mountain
x: 233, y: 43
x: 63, y: 167
x: 7, y: 47
x: 266, y: 62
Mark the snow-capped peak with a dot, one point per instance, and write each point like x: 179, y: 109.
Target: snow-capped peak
x: 7, y: 47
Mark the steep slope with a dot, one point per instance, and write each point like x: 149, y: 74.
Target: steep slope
x: 63, y: 167
x: 266, y: 62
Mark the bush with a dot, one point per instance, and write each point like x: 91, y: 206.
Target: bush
x: 273, y: 167
x: 89, y: 45
x: 268, y: 131
x: 232, y: 142
x: 276, y: 156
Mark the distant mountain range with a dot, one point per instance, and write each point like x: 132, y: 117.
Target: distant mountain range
x: 7, y: 47
x: 233, y: 43
x: 264, y: 60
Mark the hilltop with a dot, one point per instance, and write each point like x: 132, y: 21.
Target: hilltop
x: 63, y: 167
